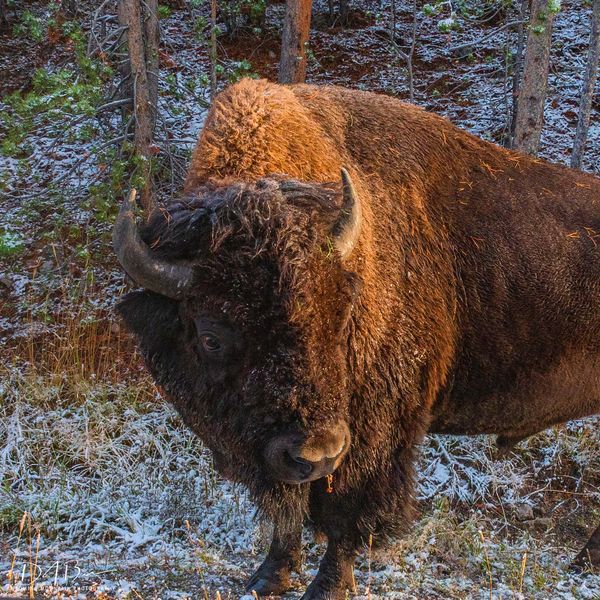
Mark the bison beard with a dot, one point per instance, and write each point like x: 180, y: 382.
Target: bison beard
x: 302, y: 326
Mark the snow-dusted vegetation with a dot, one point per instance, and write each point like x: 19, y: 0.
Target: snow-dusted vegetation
x: 103, y: 491
x: 119, y: 496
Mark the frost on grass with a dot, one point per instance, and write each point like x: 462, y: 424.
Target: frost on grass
x: 118, y: 488
x: 113, y: 477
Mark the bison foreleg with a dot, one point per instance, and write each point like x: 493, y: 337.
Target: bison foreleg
x: 284, y: 556
x: 335, y: 576
x: 506, y: 443
x: 589, y: 557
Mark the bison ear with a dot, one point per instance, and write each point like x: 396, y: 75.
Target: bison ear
x: 347, y: 228
x: 152, y: 318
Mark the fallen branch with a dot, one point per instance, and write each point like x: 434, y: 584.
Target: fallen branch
x: 485, y: 38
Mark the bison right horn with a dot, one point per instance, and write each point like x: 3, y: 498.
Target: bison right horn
x: 138, y: 261
x: 347, y: 228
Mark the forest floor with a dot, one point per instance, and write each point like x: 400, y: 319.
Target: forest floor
x: 103, y: 492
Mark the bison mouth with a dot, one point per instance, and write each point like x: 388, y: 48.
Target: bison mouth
x: 295, y: 458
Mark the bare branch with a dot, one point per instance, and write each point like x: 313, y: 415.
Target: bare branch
x: 485, y: 38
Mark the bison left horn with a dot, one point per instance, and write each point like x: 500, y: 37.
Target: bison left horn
x: 347, y: 228
x: 138, y: 261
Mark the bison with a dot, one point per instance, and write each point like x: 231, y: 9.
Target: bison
x: 311, y: 328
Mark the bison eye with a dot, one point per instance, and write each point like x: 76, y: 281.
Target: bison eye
x: 210, y: 343
x: 215, y: 339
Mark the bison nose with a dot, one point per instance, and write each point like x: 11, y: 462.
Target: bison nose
x: 302, y: 466
x: 297, y: 458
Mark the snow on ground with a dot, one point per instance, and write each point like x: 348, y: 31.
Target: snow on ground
x: 126, y: 504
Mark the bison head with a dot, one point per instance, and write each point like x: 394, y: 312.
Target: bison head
x: 245, y: 319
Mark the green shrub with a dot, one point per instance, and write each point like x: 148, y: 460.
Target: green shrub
x: 10, y: 244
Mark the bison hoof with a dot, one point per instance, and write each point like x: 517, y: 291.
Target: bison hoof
x: 327, y: 587
x: 317, y: 591
x: 269, y: 580
x: 587, y: 561
x: 589, y: 558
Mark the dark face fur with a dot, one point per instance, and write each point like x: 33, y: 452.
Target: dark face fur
x: 254, y: 356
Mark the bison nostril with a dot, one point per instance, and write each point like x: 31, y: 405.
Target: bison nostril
x: 304, y: 467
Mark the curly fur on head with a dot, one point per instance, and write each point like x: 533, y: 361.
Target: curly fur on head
x: 263, y: 250
x: 273, y: 214
x: 274, y: 226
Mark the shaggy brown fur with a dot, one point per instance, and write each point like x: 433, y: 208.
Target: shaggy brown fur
x: 470, y: 304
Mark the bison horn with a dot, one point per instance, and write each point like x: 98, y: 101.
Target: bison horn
x: 347, y: 228
x: 136, y: 258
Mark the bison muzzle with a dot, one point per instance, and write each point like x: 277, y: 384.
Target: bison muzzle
x: 344, y: 273
x: 295, y: 459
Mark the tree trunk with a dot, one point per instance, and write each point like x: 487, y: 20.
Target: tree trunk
x: 587, y: 89
x: 3, y: 15
x: 530, y: 109
x: 344, y: 12
x: 213, y: 49
x: 143, y: 107
x: 409, y: 55
x: 517, y: 69
x: 151, y: 39
x: 296, y: 26
x: 69, y: 8
x: 125, y: 87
